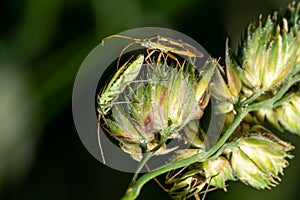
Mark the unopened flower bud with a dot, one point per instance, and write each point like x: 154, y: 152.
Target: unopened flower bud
x: 218, y: 171
x: 186, y: 184
x: 268, y: 54
x: 287, y: 115
x: 259, y: 157
x: 155, y: 109
x: 226, y: 92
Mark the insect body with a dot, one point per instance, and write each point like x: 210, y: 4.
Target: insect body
x: 126, y: 74
x: 117, y: 84
x: 166, y: 45
x: 162, y: 44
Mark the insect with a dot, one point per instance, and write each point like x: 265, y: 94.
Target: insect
x: 162, y: 44
x: 127, y: 73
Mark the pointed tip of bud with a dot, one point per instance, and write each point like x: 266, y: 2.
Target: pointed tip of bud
x: 287, y: 115
x: 145, y: 110
x: 259, y: 158
x: 268, y: 54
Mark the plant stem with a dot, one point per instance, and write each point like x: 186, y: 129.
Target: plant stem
x: 165, y: 133
x: 270, y: 102
x: 251, y: 99
x: 134, y: 190
x: 146, y: 157
x: 237, y: 120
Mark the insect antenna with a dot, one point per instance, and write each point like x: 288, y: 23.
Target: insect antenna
x: 122, y: 52
x: 207, y: 188
x: 172, y: 176
x: 120, y: 36
x: 156, y: 180
x: 135, y: 41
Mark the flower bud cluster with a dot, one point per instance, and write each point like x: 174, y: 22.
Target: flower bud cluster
x: 156, y: 108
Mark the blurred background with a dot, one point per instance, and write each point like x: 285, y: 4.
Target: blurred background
x: 42, y: 45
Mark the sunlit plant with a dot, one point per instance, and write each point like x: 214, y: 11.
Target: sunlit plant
x: 257, y: 88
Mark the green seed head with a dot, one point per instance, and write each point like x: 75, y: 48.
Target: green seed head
x: 185, y: 184
x: 287, y: 115
x: 226, y: 84
x: 258, y: 158
x: 157, y: 108
x: 267, y: 55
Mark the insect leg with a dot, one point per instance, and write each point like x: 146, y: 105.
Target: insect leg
x: 157, y: 181
x: 197, y: 197
x: 149, y: 54
x: 174, y: 58
x: 176, y: 174
x: 206, y: 190
x: 127, y: 46
x: 148, y: 57
x: 99, y: 140
x: 158, y: 59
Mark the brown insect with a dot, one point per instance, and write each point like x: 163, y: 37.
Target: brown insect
x: 161, y: 44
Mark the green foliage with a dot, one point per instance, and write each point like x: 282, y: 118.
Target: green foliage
x: 257, y: 83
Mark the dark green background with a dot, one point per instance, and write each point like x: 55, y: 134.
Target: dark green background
x: 42, y: 45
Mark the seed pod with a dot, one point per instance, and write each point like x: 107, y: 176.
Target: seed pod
x: 191, y: 180
x: 218, y: 171
x: 267, y: 55
x: 190, y: 184
x: 233, y: 80
x: 292, y: 16
x: 259, y: 157
x: 227, y: 93
x: 287, y: 115
x: 193, y: 135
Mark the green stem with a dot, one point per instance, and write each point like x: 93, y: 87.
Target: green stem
x: 134, y: 190
x: 282, y: 101
x: 258, y: 93
x: 251, y: 99
x: 165, y: 133
x: 146, y: 157
x: 237, y: 120
x: 270, y: 102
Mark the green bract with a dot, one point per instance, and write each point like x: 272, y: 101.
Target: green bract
x: 152, y: 111
x: 267, y: 55
x: 286, y: 116
x: 258, y: 158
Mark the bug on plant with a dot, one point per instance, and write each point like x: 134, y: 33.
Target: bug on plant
x: 127, y: 73
x: 162, y: 44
